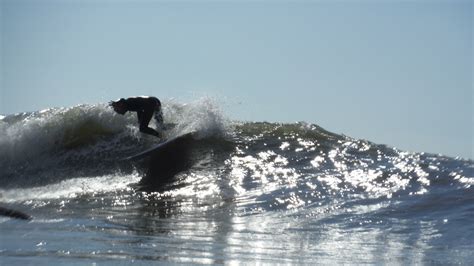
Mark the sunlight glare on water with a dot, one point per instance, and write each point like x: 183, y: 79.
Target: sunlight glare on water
x: 252, y: 193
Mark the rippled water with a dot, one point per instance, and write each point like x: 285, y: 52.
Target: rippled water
x: 252, y: 193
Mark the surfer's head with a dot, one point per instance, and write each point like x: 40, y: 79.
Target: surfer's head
x: 119, y: 106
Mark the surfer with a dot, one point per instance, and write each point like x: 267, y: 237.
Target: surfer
x: 145, y: 108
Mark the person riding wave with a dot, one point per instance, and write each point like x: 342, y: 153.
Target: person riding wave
x: 145, y: 108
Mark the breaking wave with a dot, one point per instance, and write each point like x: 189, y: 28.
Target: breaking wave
x: 253, y: 188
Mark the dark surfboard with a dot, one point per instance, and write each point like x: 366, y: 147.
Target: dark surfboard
x: 158, y: 147
x: 163, y: 161
x: 14, y: 214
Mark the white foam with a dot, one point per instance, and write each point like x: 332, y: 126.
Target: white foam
x: 71, y: 188
x: 26, y: 136
x: 32, y: 134
x: 48, y: 138
x: 202, y: 116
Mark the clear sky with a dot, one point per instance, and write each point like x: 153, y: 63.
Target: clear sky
x: 392, y: 72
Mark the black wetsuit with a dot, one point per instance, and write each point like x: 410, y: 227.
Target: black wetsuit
x: 145, y: 108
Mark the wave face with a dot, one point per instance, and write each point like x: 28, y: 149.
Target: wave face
x: 87, y: 140
x: 266, y: 192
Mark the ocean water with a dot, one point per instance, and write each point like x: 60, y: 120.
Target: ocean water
x: 233, y: 193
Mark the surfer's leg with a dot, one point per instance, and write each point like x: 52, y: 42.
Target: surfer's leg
x: 150, y: 131
x: 144, y: 119
x: 140, y: 117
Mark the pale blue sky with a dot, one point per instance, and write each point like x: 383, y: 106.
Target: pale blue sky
x: 393, y: 72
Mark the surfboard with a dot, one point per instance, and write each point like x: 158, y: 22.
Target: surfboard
x: 157, y: 147
x: 14, y: 214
